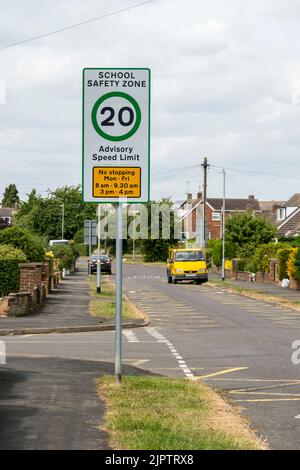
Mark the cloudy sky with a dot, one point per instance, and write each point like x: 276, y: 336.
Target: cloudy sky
x: 226, y: 85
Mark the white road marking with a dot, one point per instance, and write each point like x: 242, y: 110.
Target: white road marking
x: 131, y: 336
x: 181, y: 362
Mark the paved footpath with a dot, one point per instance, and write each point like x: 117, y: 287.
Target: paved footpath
x: 66, y: 306
x: 269, y: 289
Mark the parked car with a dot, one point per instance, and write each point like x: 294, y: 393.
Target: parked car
x: 105, y: 264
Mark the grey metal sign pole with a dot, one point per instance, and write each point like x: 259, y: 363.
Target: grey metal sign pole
x: 118, y: 331
x: 90, y: 245
x: 98, y: 254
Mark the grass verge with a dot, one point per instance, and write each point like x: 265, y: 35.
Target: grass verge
x: 103, y: 305
x: 255, y: 294
x: 158, y: 413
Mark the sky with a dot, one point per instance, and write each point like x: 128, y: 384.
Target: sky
x: 225, y: 85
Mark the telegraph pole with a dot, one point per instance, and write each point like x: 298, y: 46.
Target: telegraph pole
x: 223, y: 227
x: 205, y: 166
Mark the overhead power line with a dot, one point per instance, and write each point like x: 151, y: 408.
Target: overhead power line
x: 77, y: 25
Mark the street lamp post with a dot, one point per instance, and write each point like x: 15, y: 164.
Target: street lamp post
x: 223, y: 227
x: 62, y: 220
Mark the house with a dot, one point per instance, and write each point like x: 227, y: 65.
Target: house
x: 289, y: 220
x: 213, y: 212
x: 6, y: 215
x: 285, y: 215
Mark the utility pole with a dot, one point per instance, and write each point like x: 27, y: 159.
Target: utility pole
x: 205, y: 166
x: 223, y: 226
x: 62, y: 220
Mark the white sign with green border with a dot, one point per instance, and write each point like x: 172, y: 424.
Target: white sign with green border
x: 116, y: 135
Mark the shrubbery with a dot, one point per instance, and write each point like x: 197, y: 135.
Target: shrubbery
x: 217, y: 248
x: 10, y: 258
x: 263, y: 254
x: 66, y: 255
x: 31, y: 245
x: 283, y: 255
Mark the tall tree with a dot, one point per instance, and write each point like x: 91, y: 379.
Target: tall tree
x: 44, y: 215
x: 10, y: 196
x: 247, y: 232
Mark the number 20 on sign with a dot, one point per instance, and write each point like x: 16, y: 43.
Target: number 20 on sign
x: 116, y: 128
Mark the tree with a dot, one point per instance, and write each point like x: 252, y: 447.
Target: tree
x: 44, y: 215
x: 10, y: 196
x: 247, y: 232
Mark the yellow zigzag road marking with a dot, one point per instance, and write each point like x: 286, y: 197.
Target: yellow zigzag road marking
x: 268, y: 387
x: 266, y: 400
x: 221, y: 372
x: 266, y: 393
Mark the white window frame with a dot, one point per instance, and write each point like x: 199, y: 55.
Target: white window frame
x: 213, y: 216
x: 281, y: 210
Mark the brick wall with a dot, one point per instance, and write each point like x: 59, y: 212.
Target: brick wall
x: 30, y: 276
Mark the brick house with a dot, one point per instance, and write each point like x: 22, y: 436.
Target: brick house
x: 213, y: 211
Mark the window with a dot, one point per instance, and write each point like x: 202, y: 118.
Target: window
x: 281, y: 213
x: 216, y: 216
x: 189, y: 256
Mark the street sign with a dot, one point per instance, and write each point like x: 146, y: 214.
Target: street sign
x: 90, y: 232
x: 116, y: 127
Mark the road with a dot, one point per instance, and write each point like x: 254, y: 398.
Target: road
x: 237, y: 345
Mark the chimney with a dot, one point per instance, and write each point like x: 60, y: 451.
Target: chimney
x: 199, y: 195
x: 251, y: 201
x: 189, y: 198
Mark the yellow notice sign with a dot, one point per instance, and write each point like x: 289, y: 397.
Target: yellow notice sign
x: 116, y: 181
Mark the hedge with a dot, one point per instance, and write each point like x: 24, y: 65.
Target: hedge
x: 66, y: 256
x: 217, y: 252
x: 10, y: 258
x: 283, y: 255
x: 31, y: 245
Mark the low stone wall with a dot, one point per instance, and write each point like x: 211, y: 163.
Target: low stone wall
x: 35, y: 285
x: 16, y: 305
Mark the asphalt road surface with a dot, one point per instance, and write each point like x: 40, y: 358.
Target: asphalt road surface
x: 238, y: 345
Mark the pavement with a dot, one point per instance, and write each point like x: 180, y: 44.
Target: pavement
x: 52, y: 404
x: 239, y: 346
x: 269, y: 289
x: 65, y: 310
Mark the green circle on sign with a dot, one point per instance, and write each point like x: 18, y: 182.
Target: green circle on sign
x: 138, y: 116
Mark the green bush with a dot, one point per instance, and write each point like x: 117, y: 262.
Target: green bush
x: 65, y: 255
x: 208, y: 253
x: 250, y: 267
x: 297, y: 265
x: 242, y: 262
x: 10, y: 258
x: 217, y: 251
x: 283, y: 255
x: 263, y: 254
x: 31, y: 245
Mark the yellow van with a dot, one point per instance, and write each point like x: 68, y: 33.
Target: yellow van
x: 186, y: 264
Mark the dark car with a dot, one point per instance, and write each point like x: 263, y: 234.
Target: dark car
x: 105, y: 264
